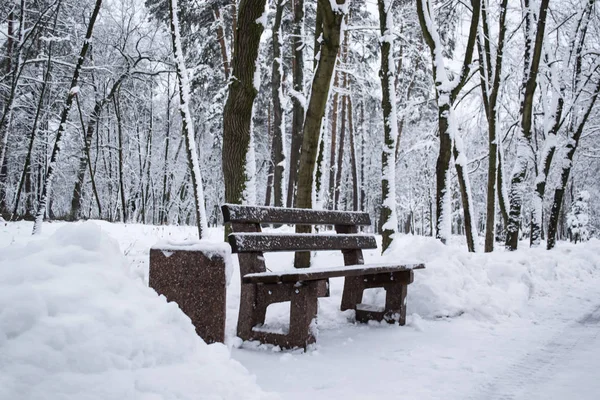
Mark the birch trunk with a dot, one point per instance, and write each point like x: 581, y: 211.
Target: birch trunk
x: 387, y: 74
x: 187, y: 124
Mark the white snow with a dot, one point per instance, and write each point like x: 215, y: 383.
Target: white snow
x: 518, y: 324
x: 75, y: 324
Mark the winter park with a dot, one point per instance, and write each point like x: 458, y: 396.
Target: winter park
x: 299, y: 199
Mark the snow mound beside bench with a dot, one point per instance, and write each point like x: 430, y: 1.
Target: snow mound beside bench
x: 75, y: 325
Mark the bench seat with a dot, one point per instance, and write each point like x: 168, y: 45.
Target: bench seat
x: 313, y: 274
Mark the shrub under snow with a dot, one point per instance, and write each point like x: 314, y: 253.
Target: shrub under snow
x: 75, y: 325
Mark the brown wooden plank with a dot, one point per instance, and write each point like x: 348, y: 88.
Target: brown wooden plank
x: 293, y: 216
x: 253, y: 242
x: 324, y: 273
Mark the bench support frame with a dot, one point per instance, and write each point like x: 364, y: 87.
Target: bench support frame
x: 303, y: 295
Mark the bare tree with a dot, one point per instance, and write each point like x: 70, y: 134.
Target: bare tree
x: 73, y: 90
x: 447, y: 91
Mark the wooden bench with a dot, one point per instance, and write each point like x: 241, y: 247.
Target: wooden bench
x: 302, y: 287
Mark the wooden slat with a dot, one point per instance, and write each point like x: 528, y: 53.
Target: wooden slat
x: 292, y: 216
x: 312, y: 274
x: 252, y: 242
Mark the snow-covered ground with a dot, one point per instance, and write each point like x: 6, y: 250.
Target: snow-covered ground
x: 521, y: 325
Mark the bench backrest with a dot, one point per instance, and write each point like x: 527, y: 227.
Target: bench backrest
x: 249, y: 242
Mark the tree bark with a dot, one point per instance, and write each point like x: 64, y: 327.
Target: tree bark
x: 278, y: 153
x: 237, y: 115
x: 297, y: 105
x: 221, y: 40
x: 321, y: 85
x: 333, y: 151
x: 353, y: 167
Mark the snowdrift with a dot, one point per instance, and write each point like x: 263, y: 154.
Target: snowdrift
x: 74, y: 324
x: 494, y: 285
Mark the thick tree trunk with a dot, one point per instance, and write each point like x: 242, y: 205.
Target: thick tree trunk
x: 47, y: 186
x: 321, y: 85
x: 297, y: 103
x: 237, y: 115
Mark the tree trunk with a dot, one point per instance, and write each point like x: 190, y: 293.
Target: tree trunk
x: 297, y: 104
x: 387, y: 74
x: 447, y: 91
x: 532, y: 62
x: 237, y: 115
x: 187, y: 124
x: 221, y: 40
x: 491, y: 75
x: 321, y: 85
x: 543, y: 171
x: 333, y: 151
x: 27, y: 171
x: 166, y: 194
x: 278, y: 153
x: 47, y: 186
x: 16, y: 65
x: 353, y: 168
x: 122, y: 197
x: 567, y: 164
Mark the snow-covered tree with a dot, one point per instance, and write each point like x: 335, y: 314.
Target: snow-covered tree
x: 578, y: 218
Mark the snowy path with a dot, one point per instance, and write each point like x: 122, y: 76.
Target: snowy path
x: 451, y: 360
x: 567, y: 366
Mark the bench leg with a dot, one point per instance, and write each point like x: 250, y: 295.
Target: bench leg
x: 303, y: 313
x: 395, y: 303
x: 354, y: 286
x: 251, y: 312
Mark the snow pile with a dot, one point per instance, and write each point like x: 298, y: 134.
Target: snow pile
x: 492, y: 285
x: 75, y: 325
